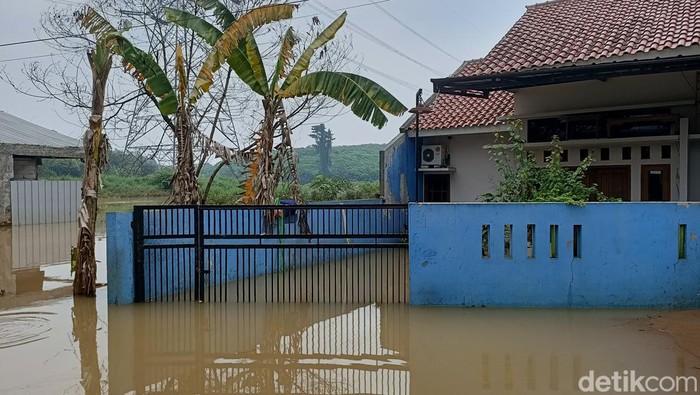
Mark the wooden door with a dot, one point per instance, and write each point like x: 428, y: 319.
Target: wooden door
x: 612, y: 181
x: 656, y: 183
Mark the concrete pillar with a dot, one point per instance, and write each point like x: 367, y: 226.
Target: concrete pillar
x: 6, y: 174
x: 683, y: 160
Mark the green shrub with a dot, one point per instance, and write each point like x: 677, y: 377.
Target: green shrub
x: 523, y: 181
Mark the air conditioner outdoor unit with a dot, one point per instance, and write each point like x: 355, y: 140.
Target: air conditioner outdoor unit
x: 433, y: 156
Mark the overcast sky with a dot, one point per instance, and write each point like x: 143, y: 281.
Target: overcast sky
x: 455, y: 30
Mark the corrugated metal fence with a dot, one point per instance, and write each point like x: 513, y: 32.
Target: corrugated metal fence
x: 44, y: 202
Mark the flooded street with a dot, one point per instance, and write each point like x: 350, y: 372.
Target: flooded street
x: 51, y: 343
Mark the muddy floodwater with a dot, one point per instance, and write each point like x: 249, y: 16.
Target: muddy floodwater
x: 51, y: 343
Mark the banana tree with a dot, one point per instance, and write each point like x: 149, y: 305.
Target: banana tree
x: 143, y: 66
x: 96, y: 147
x: 272, y: 149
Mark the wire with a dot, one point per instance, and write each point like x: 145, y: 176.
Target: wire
x: 410, y: 29
x: 26, y: 58
x: 382, y: 43
x: 390, y: 77
x: 138, y: 26
x: 84, y: 35
x: 463, y: 17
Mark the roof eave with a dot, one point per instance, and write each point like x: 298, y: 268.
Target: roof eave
x: 482, y: 84
x: 42, y: 151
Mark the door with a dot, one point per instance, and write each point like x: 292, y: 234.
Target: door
x: 656, y: 183
x: 436, y: 188
x: 612, y: 181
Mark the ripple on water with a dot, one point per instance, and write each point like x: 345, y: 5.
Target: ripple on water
x: 17, y: 329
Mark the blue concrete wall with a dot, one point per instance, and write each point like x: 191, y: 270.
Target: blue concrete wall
x: 400, y: 164
x: 120, y: 258
x: 629, y: 255
x: 171, y: 268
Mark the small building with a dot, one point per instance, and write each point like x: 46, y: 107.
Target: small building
x: 23, y: 144
x: 615, y: 80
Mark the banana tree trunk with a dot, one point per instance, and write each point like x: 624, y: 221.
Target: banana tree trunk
x: 265, y: 181
x: 184, y: 185
x: 96, y: 148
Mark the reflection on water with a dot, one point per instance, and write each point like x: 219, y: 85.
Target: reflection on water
x: 58, y: 344
x: 325, y: 349
x: 258, y: 348
x: 376, y: 349
x: 37, y: 258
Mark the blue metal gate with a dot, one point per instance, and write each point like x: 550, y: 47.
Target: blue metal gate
x: 324, y: 253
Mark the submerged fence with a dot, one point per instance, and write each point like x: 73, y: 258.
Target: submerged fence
x: 296, y: 253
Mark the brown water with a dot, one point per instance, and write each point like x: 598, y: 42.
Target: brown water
x: 51, y: 343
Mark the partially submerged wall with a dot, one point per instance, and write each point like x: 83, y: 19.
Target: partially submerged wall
x: 6, y: 173
x: 621, y: 255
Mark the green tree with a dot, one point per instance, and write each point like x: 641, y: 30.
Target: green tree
x: 271, y: 158
x: 323, y: 143
x: 522, y: 180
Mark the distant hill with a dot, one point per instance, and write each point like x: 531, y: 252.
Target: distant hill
x: 352, y: 162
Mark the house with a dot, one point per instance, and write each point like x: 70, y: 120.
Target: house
x: 22, y: 146
x: 614, y: 80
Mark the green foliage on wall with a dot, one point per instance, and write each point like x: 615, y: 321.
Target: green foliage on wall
x: 522, y: 180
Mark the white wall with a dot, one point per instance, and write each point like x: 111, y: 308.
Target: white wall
x: 616, y: 92
x: 635, y: 162
x: 474, y: 173
x: 694, y: 173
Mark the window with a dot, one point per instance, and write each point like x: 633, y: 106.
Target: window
x: 665, y: 152
x: 646, y: 152
x: 583, y: 154
x: 565, y: 155
x: 612, y: 124
x: 605, y: 154
x: 546, y: 155
x: 437, y: 187
x: 626, y: 153
x: 542, y: 130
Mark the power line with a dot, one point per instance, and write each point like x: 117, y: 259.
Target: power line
x: 84, y: 35
x: 138, y: 26
x: 390, y: 77
x: 410, y: 29
x: 26, y: 58
x: 382, y: 43
x: 463, y: 17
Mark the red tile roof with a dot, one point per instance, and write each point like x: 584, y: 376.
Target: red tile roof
x: 567, y: 31
x: 450, y: 111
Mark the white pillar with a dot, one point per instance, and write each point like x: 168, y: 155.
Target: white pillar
x: 683, y: 160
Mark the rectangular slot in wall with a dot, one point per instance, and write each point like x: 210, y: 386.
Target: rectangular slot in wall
x: 531, y: 241
x: 507, y: 242
x: 553, y: 240
x: 485, y: 240
x: 682, y: 241
x: 577, y: 241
